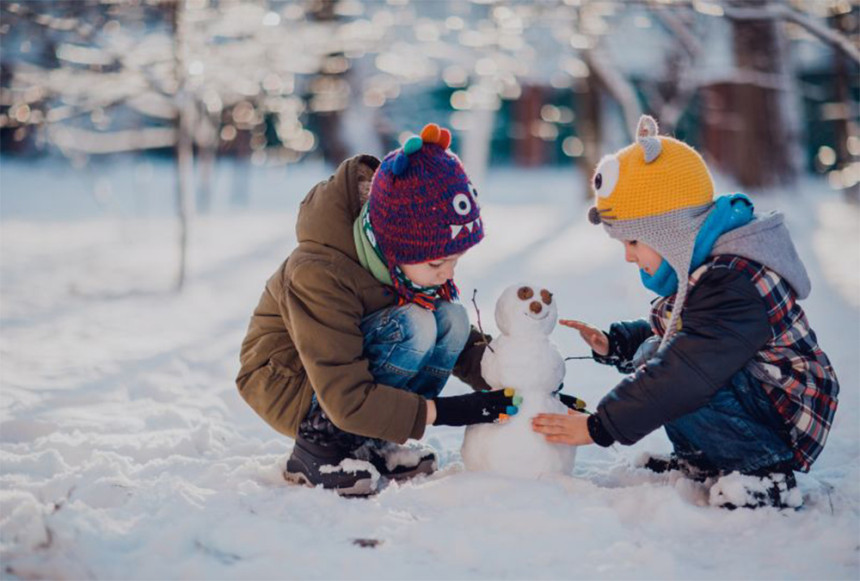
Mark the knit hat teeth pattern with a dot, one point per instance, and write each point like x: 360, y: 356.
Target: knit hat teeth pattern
x: 422, y: 205
x: 657, y: 190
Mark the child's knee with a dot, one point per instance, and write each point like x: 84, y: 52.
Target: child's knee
x: 453, y: 324
x: 419, y: 329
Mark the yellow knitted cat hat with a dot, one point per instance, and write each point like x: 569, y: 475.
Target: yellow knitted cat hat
x: 657, y: 190
x: 655, y: 175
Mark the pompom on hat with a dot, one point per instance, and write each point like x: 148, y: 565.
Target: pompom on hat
x: 422, y: 206
x: 657, y: 190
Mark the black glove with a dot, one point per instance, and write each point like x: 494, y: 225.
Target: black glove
x: 573, y: 403
x: 481, y: 407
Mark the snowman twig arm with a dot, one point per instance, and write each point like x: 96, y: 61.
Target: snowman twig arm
x: 478, y: 311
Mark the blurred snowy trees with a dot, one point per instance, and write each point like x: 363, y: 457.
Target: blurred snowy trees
x: 271, y: 81
x: 102, y: 77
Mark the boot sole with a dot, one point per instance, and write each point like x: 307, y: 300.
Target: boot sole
x: 361, y: 489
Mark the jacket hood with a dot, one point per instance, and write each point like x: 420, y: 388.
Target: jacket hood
x: 766, y: 240
x: 327, y: 213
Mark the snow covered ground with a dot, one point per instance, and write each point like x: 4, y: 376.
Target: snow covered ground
x: 126, y: 451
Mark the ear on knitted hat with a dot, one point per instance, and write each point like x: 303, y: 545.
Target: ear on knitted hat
x: 647, y: 127
x: 646, y: 136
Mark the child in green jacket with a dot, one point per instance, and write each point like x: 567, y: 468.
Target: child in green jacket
x: 359, y: 329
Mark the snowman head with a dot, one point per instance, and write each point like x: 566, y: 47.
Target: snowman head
x: 526, y: 309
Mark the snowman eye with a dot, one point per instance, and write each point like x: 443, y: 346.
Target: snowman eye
x: 546, y: 297
x: 525, y: 293
x: 606, y: 176
x: 462, y: 204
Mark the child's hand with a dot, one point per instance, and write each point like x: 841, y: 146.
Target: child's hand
x: 596, y: 339
x: 481, y: 407
x: 569, y: 429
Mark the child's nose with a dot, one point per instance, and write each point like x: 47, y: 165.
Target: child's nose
x: 448, y: 272
x: 629, y: 255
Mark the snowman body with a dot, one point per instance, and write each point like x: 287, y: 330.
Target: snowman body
x: 524, y: 358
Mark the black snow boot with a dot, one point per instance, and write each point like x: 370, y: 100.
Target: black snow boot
x: 331, y: 467
x: 398, y: 462
x: 692, y: 468
x: 773, y: 486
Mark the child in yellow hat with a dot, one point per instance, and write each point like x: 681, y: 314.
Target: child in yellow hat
x: 727, y: 362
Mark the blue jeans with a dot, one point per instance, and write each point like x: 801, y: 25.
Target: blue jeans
x: 415, y: 349
x: 738, y: 429
x: 408, y: 348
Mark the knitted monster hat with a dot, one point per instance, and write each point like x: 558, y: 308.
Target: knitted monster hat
x: 657, y: 190
x: 422, y: 206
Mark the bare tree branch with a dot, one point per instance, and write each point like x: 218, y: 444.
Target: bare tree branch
x: 680, y: 29
x: 784, y: 12
x: 618, y: 86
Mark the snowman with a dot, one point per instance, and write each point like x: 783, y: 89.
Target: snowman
x: 521, y: 357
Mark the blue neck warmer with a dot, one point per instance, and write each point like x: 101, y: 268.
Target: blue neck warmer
x: 729, y: 212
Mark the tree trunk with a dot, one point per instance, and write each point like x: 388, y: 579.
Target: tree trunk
x: 765, y: 142
x: 184, y: 144
x: 331, y: 141
x: 475, y: 149
x: 240, y: 187
x: 529, y: 148
x: 206, y: 138
x: 328, y: 120
x: 587, y: 99
x: 845, y: 125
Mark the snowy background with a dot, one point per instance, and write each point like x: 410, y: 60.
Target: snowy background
x: 127, y: 452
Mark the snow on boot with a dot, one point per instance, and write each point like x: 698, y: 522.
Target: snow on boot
x: 692, y: 469
x: 399, y: 462
x: 774, y: 487
x: 332, y: 468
